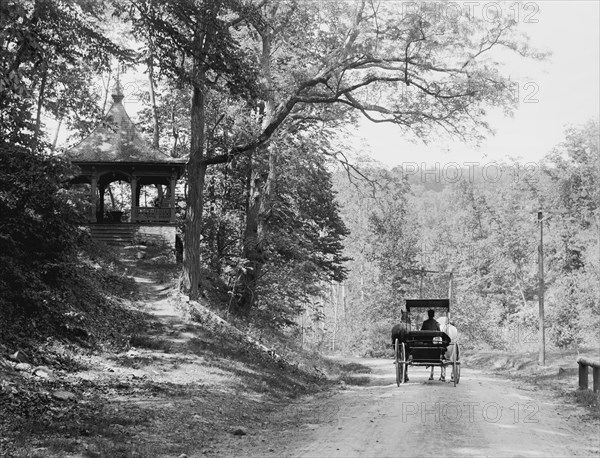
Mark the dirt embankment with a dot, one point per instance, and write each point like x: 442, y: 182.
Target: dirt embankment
x: 172, y: 387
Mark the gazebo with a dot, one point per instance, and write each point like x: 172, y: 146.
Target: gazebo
x: 115, y: 151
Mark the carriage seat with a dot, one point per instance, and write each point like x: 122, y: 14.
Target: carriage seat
x: 427, y: 346
x: 428, y: 338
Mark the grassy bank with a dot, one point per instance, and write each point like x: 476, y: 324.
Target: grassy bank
x: 155, y: 382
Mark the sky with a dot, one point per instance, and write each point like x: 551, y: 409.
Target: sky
x: 562, y: 91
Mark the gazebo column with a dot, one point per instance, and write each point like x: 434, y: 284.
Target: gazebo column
x: 134, y: 197
x: 137, y: 194
x: 102, y: 191
x: 93, y: 190
x: 172, y: 203
x: 160, y: 194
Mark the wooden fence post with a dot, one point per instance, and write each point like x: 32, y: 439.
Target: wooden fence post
x: 583, y: 376
x: 583, y: 373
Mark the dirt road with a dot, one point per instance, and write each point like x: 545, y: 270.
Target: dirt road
x: 485, y: 415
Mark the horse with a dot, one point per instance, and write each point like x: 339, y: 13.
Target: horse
x: 400, y: 331
x: 452, y: 332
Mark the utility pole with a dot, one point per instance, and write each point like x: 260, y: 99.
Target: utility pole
x: 450, y: 292
x: 598, y: 233
x: 542, y: 356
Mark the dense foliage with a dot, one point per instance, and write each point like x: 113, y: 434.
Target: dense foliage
x: 37, y: 234
x: 46, y: 277
x: 483, y: 227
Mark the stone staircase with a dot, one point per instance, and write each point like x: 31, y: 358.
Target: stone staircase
x: 114, y: 234
x: 134, y: 234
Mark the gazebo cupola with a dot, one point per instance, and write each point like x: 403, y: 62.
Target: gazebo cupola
x: 115, y: 151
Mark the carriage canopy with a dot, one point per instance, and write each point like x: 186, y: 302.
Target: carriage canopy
x: 428, y: 303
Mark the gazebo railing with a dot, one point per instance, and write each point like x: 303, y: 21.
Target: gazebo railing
x: 151, y: 214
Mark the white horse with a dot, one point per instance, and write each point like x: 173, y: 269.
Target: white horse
x: 452, y: 332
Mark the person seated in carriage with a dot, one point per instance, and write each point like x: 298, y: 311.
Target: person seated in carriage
x: 431, y: 323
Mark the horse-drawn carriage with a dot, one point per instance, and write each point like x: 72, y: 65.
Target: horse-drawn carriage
x: 426, y: 348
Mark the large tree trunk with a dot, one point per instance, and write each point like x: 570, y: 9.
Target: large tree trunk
x: 196, y: 169
x: 259, y: 199
x: 253, y: 252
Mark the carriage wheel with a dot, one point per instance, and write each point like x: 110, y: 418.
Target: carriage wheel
x: 455, y: 365
x: 397, y: 355
x: 403, y: 364
x: 457, y: 370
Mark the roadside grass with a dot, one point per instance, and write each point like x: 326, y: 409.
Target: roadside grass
x: 354, y: 380
x: 590, y: 400
x: 355, y: 368
x: 351, y: 373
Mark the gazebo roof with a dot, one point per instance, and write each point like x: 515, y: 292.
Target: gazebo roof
x: 116, y: 140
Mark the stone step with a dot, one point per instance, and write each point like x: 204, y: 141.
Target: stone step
x: 113, y: 228
x: 115, y: 240
x: 129, y: 234
x: 113, y: 234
